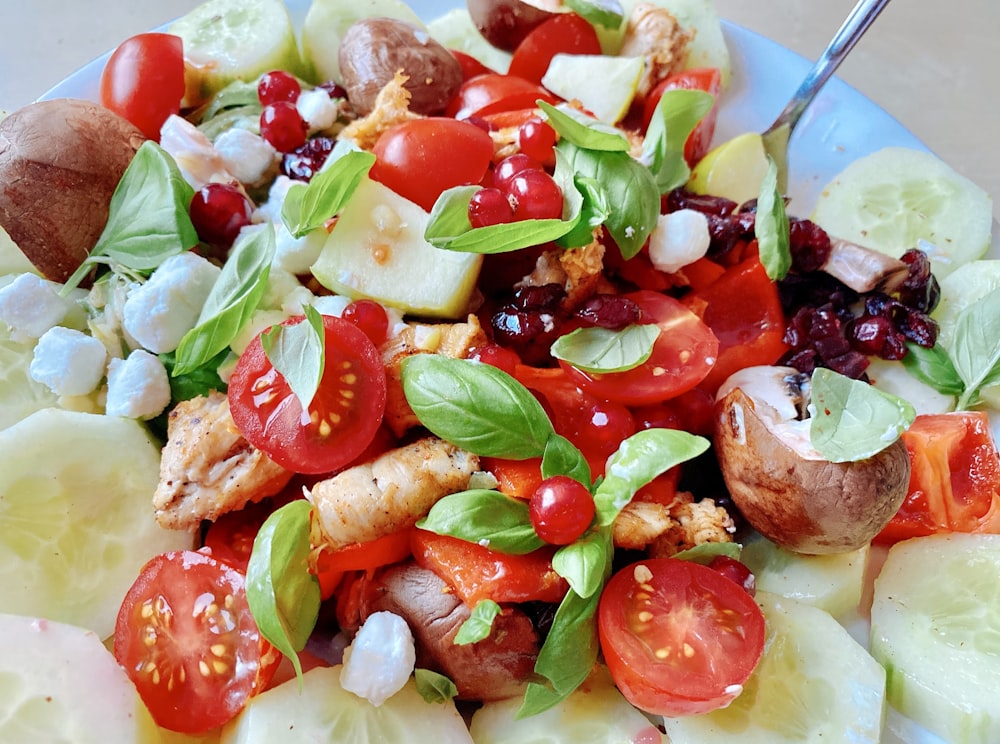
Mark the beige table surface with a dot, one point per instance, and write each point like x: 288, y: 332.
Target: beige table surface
x: 932, y: 66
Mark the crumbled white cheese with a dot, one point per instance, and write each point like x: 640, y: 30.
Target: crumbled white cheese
x: 678, y: 239
x: 317, y: 109
x: 380, y: 659
x: 30, y: 306
x: 331, y: 304
x: 138, y: 386
x: 297, y: 255
x: 199, y: 162
x: 68, y: 362
x: 248, y: 156
x: 159, y: 312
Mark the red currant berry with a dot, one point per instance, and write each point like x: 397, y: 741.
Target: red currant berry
x: 536, y: 196
x: 497, y: 356
x: 510, y: 166
x: 489, y: 206
x: 278, y: 86
x: 561, y: 509
x: 218, y: 212
x: 735, y: 570
x: 282, y: 126
x: 370, y: 317
x: 538, y: 140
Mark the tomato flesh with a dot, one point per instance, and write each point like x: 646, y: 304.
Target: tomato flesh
x: 565, y: 33
x: 143, y: 80
x: 708, y: 79
x: 343, y: 417
x: 678, y: 637
x: 186, y: 638
x: 493, y: 93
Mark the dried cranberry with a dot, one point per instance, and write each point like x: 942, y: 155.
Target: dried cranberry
x: 609, y: 311
x: 809, y: 244
x: 920, y: 289
x: 334, y: 90
x: 304, y: 162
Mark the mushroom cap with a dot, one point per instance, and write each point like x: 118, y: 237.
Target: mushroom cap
x: 805, y: 504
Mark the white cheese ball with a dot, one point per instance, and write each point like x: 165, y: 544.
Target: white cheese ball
x: 30, y: 306
x: 138, y: 386
x: 297, y: 255
x: 158, y: 313
x: 679, y: 238
x: 381, y: 658
x: 248, y: 156
x: 68, y: 362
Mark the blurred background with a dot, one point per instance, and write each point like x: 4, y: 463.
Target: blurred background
x: 931, y: 67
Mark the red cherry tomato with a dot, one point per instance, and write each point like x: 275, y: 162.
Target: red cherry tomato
x: 708, y: 79
x: 954, y: 478
x: 143, y: 81
x: 344, y: 415
x: 565, y: 33
x: 419, y: 159
x: 683, y: 354
x: 469, y: 64
x: 492, y: 93
x: 678, y: 637
x: 207, y: 657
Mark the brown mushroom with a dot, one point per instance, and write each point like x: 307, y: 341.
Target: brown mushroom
x: 60, y: 161
x: 505, y: 23
x: 374, y: 49
x: 785, y: 489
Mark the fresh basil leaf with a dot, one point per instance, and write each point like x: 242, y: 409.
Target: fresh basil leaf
x: 601, y: 350
x: 232, y: 300
x: 705, y: 552
x: 771, y: 226
x: 567, y: 656
x: 593, y: 212
x: 640, y: 458
x: 676, y: 115
x: 607, y: 13
x: 976, y: 347
x: 853, y: 420
x: 434, y: 687
x: 933, y: 367
x: 561, y: 457
x: 583, y: 130
x: 199, y: 381
x: 312, y: 204
x: 586, y: 563
x: 148, y: 219
x: 298, y: 353
x: 488, y: 518
x: 628, y: 186
x: 475, y: 406
x: 479, y: 624
x: 283, y: 595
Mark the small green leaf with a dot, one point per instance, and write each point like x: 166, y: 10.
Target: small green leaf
x: 585, y: 563
x: 485, y: 517
x: 705, y: 552
x: 676, y: 115
x: 601, y: 350
x: 434, y: 687
x: 475, y: 406
x: 607, y: 13
x: 639, y: 459
x: 479, y: 624
x: 233, y: 299
x: 975, y: 350
x: 594, y: 207
x: 298, y: 353
x: 311, y: 205
x: 853, y: 420
x: 283, y: 595
x: 200, y: 381
x: 582, y: 130
x: 933, y: 367
x: 771, y: 226
x: 562, y: 457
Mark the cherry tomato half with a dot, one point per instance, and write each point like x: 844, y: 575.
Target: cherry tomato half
x: 344, y: 415
x: 186, y: 638
x: 143, y: 81
x: 682, y: 356
x: 421, y: 158
x: 493, y: 93
x: 565, y: 33
x: 679, y: 638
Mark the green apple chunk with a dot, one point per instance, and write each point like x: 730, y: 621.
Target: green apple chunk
x: 377, y: 250
x: 604, y: 85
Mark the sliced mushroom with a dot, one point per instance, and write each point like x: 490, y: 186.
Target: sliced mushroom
x: 783, y: 487
x: 863, y: 269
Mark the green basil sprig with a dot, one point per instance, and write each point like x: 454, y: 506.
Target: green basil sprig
x: 771, y: 226
x: 601, y: 350
x: 308, y: 206
x: 484, y: 517
x: 676, y: 115
x: 283, y: 595
x: 562, y: 457
x: 933, y: 367
x: 479, y: 624
x: 975, y: 351
x: 148, y: 218
x: 582, y: 130
x: 852, y: 420
x: 585, y: 563
x: 434, y: 687
x: 298, y: 353
x: 233, y: 298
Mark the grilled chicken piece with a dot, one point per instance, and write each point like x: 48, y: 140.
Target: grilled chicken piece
x: 654, y: 33
x: 208, y: 468
x: 392, y: 107
x: 389, y: 493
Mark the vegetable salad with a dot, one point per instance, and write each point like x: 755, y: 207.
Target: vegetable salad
x: 450, y: 378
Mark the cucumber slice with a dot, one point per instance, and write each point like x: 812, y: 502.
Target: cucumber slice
x: 814, y: 684
x: 321, y: 710
x: 936, y: 629
x: 596, y: 713
x: 58, y: 683
x: 830, y: 582
x: 238, y: 40
x: 12, y: 260
x: 328, y: 20
x: 896, y: 196
x: 76, y: 519
x: 455, y: 30
x: 19, y: 394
